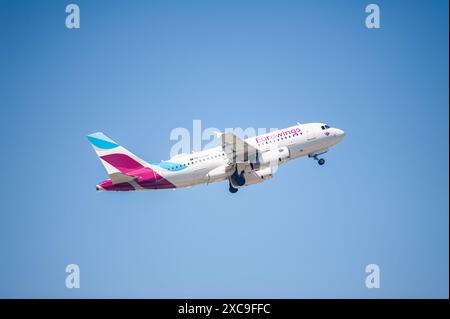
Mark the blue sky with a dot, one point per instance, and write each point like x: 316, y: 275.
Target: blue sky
x: 137, y: 69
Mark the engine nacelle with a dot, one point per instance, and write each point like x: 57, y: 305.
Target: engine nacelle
x: 265, y: 173
x: 259, y: 176
x: 275, y: 157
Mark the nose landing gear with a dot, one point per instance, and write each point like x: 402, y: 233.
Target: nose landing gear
x: 320, y: 161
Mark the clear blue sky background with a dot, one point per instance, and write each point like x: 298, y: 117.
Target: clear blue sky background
x: 137, y: 69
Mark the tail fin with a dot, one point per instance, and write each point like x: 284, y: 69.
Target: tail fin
x: 117, y: 160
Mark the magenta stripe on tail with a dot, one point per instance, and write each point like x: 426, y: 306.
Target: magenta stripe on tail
x: 145, y: 176
x: 122, y: 162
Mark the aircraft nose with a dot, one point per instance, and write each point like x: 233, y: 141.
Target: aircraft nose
x: 340, y: 133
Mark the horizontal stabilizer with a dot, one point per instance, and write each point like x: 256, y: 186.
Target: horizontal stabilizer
x: 117, y: 178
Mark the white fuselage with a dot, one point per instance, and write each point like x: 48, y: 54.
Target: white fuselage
x: 210, y: 165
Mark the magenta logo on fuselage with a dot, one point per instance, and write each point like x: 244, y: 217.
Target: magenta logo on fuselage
x: 274, y: 136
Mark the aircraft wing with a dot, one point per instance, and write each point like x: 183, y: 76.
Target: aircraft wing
x: 237, y: 150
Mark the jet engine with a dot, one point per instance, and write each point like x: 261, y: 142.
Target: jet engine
x: 265, y: 173
x: 274, y: 157
x: 258, y: 176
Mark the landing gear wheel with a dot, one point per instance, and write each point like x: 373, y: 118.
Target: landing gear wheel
x: 241, y: 180
x: 238, y: 179
x: 321, y: 161
x: 232, y: 189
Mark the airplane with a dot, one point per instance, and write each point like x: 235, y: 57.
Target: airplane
x: 241, y: 162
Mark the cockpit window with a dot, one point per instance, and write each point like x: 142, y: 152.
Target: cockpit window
x: 324, y: 127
